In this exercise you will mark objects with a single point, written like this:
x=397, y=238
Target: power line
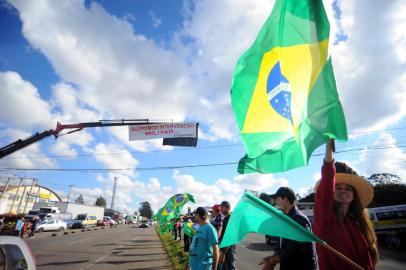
x=121, y=153
x=176, y=167
x=176, y=149
x=379, y=130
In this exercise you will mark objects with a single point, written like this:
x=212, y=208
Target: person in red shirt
x=340, y=217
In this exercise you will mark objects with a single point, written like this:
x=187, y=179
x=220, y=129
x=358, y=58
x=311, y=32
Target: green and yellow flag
x=173, y=206
x=188, y=228
x=283, y=91
x=252, y=214
x=179, y=200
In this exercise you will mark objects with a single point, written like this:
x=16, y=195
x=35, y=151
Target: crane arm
x=21, y=143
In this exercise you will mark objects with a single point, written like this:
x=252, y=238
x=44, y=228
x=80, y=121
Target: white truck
x=48, y=212
x=71, y=210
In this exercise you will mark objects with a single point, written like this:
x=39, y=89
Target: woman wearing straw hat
x=340, y=217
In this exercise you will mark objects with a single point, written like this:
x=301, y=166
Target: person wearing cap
x=290, y=254
x=340, y=217
x=217, y=218
x=204, y=251
x=227, y=254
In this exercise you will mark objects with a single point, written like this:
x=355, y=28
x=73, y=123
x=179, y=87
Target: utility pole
x=70, y=187
x=113, y=198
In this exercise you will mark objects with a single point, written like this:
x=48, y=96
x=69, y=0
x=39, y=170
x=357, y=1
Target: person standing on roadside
x=290, y=254
x=179, y=227
x=227, y=254
x=204, y=251
x=217, y=218
x=175, y=230
x=341, y=218
x=19, y=227
x=33, y=226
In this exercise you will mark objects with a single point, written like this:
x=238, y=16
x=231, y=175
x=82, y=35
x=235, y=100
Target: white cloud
x=62, y=148
x=117, y=71
x=369, y=69
x=390, y=160
x=20, y=159
x=126, y=160
x=156, y=21
x=20, y=104
x=66, y=98
x=89, y=194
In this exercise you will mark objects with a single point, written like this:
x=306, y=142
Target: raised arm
x=323, y=206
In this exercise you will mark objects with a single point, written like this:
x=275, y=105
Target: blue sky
x=81, y=61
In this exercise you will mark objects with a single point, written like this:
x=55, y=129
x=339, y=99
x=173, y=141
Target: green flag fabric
x=283, y=91
x=173, y=206
x=166, y=213
x=188, y=228
x=252, y=214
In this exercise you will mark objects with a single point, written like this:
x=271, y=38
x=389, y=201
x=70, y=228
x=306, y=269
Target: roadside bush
x=178, y=257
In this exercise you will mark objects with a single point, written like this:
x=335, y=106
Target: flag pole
x=342, y=256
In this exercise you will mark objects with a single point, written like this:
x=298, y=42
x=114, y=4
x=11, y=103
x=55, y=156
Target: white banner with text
x=162, y=130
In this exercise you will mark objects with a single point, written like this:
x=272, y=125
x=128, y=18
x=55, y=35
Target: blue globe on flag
x=279, y=93
x=180, y=198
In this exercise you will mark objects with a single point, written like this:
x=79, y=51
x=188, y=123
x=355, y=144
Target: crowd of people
x=25, y=228
x=340, y=219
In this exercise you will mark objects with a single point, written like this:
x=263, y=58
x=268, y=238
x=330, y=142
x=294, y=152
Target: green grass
x=178, y=257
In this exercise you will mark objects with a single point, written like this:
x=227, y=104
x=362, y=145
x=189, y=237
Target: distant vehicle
x=51, y=225
x=71, y=210
x=151, y=222
x=389, y=219
x=15, y=254
x=144, y=224
x=103, y=223
x=48, y=212
x=117, y=216
x=110, y=220
x=83, y=221
x=69, y=223
x=32, y=214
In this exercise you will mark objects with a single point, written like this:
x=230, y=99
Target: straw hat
x=365, y=191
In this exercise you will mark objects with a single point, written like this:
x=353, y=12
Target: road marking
x=73, y=242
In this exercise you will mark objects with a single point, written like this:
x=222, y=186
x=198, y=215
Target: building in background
x=20, y=199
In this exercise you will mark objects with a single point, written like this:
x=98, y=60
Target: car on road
x=69, y=223
x=51, y=225
x=83, y=221
x=144, y=224
x=110, y=220
x=15, y=254
x=103, y=223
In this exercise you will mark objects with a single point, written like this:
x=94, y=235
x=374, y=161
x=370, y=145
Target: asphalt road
x=253, y=249
x=122, y=247
x=126, y=247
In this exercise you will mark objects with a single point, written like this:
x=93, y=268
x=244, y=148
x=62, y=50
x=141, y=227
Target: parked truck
x=67, y=211
x=48, y=212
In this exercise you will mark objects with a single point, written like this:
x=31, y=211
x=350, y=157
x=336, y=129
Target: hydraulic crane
x=21, y=143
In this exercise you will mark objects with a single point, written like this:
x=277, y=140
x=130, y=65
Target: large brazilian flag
x=284, y=93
